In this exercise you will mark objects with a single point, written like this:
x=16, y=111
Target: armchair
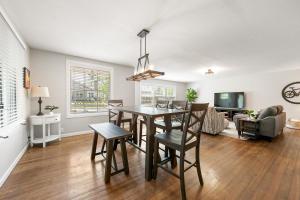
x=213, y=122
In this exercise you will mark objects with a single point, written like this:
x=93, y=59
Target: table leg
x=119, y=118
x=31, y=135
x=149, y=148
x=95, y=140
x=134, y=128
x=59, y=131
x=44, y=135
x=168, y=123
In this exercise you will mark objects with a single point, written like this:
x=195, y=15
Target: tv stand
x=231, y=111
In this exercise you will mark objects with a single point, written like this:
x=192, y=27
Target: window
x=88, y=88
x=151, y=93
x=9, y=60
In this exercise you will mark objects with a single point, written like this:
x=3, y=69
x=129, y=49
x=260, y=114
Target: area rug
x=231, y=131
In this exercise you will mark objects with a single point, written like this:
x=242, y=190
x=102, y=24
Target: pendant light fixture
x=144, y=70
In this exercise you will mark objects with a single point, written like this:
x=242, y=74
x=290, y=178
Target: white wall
x=180, y=88
x=12, y=149
x=49, y=69
x=262, y=89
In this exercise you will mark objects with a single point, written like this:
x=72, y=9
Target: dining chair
x=177, y=121
x=183, y=141
x=159, y=104
x=113, y=115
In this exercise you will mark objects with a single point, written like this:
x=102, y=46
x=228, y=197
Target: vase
x=51, y=113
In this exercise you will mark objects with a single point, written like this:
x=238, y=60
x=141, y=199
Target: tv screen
x=230, y=99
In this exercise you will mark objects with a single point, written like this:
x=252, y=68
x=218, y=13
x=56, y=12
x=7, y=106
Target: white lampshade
x=37, y=91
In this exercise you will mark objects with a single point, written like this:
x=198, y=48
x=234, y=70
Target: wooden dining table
x=149, y=114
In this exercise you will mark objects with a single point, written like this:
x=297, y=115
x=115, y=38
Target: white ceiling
x=187, y=36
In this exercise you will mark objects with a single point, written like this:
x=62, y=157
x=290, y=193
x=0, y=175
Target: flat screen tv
x=230, y=99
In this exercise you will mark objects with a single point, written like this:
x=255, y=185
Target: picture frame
x=26, y=78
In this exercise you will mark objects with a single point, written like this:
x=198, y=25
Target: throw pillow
x=267, y=112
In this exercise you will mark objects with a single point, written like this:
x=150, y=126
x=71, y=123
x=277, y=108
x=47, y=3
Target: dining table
x=149, y=114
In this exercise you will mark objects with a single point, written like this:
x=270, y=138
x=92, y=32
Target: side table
x=45, y=121
x=250, y=126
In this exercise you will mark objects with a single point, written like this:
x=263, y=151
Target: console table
x=45, y=121
x=231, y=111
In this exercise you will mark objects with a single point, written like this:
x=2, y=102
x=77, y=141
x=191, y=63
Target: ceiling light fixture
x=209, y=72
x=144, y=70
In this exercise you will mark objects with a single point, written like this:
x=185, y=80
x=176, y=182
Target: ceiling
x=232, y=37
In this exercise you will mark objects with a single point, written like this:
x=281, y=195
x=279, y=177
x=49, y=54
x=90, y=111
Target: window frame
x=156, y=85
x=87, y=65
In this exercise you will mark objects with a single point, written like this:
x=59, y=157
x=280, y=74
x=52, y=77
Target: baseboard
x=69, y=134
x=13, y=165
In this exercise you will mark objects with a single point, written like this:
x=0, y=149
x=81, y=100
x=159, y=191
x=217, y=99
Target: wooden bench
x=110, y=133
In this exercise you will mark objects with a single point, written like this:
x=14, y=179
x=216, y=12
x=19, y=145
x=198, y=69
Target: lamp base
x=39, y=114
x=40, y=107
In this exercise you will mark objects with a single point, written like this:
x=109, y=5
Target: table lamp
x=38, y=91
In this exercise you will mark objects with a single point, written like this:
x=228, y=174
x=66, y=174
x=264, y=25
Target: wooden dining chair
x=177, y=120
x=159, y=104
x=112, y=114
x=183, y=141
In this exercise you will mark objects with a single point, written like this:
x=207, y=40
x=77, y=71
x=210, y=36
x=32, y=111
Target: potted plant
x=51, y=108
x=251, y=114
x=191, y=95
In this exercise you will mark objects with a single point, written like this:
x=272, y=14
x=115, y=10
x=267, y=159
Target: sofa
x=214, y=122
x=271, y=121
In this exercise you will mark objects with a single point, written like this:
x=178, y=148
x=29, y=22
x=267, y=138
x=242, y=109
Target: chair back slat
x=111, y=104
x=162, y=104
x=179, y=105
x=194, y=122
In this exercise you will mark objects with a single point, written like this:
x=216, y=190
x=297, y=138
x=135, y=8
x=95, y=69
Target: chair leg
x=182, y=183
x=140, y=134
x=198, y=165
x=156, y=158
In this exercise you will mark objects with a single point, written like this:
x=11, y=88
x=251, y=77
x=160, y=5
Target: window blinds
x=9, y=61
x=90, y=90
x=151, y=93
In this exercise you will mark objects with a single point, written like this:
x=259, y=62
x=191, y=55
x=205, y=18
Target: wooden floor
x=232, y=169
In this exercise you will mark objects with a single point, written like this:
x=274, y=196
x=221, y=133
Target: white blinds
x=9, y=63
x=90, y=90
x=151, y=93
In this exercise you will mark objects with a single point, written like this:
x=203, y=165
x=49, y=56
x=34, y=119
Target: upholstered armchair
x=213, y=122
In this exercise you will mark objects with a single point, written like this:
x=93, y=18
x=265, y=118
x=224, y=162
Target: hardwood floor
x=232, y=169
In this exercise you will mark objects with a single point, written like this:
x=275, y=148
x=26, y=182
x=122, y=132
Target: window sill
x=81, y=115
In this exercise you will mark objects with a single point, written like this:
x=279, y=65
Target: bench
x=110, y=133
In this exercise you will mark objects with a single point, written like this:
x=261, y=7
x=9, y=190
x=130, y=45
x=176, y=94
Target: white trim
x=69, y=134
x=12, y=27
x=13, y=165
x=80, y=115
x=70, y=62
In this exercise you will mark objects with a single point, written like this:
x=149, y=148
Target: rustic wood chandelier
x=144, y=70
